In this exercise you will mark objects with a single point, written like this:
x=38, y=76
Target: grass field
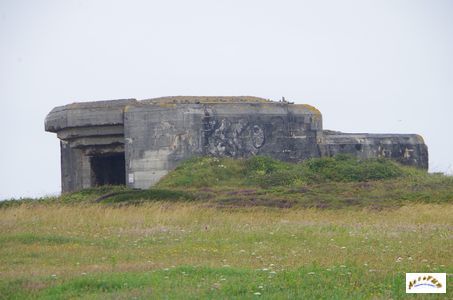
x=234, y=235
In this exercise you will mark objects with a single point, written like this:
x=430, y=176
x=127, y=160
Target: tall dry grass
x=75, y=239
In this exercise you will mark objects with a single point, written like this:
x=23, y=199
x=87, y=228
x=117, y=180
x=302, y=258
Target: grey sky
x=369, y=66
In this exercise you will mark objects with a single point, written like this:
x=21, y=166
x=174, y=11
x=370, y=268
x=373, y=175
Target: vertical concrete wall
x=159, y=136
x=86, y=130
x=407, y=149
x=279, y=130
x=71, y=164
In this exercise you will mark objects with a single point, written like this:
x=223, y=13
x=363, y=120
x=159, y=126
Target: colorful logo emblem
x=423, y=283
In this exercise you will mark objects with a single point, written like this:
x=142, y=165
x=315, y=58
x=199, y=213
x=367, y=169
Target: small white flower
x=257, y=294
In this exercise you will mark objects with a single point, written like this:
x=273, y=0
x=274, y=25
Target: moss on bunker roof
x=207, y=99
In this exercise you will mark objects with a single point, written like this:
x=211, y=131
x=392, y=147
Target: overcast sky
x=369, y=66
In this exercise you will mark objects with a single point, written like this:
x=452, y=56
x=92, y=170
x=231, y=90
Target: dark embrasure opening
x=108, y=169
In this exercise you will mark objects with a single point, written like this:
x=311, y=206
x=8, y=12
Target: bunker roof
x=207, y=99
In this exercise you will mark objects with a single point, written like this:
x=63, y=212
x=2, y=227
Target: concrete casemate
x=138, y=142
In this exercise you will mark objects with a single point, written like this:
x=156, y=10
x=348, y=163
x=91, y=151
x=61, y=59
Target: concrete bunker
x=138, y=142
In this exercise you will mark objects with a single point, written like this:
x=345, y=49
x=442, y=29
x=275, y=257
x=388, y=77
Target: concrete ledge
x=86, y=114
x=77, y=132
x=335, y=137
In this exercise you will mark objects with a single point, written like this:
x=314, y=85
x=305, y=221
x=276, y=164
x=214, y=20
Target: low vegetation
x=264, y=171
x=333, y=228
x=337, y=182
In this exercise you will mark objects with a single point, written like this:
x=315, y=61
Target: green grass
x=264, y=171
x=189, y=250
x=330, y=228
x=336, y=182
x=188, y=282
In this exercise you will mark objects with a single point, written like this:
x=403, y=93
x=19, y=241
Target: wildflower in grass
x=311, y=273
x=257, y=293
x=216, y=286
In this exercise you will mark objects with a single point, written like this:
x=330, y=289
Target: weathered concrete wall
x=86, y=114
x=408, y=149
x=284, y=131
x=159, y=136
x=157, y=139
x=151, y=137
x=86, y=130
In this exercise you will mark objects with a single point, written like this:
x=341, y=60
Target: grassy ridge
x=264, y=171
x=336, y=182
